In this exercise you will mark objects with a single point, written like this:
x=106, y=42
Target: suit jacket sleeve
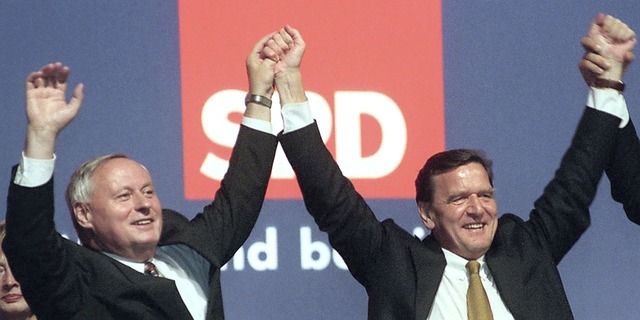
x=38, y=256
x=623, y=172
x=333, y=202
x=224, y=225
x=561, y=214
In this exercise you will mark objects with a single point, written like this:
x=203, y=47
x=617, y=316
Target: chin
x=8, y=311
x=149, y=240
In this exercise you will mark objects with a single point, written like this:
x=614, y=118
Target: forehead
x=120, y=171
x=468, y=176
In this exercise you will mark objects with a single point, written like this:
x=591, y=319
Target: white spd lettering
x=349, y=107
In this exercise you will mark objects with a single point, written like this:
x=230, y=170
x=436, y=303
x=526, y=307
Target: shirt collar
x=138, y=266
x=457, y=265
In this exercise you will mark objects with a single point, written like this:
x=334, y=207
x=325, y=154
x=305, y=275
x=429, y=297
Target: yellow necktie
x=478, y=307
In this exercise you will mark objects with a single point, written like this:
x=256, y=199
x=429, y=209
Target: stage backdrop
x=390, y=84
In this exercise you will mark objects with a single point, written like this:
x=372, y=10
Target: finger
x=286, y=37
x=46, y=73
x=594, y=30
x=50, y=73
x=273, y=45
x=280, y=41
x=591, y=45
x=629, y=57
x=61, y=78
x=295, y=35
x=50, y=68
x=599, y=19
x=625, y=34
x=62, y=74
x=597, y=59
x=590, y=68
x=608, y=22
x=618, y=31
x=257, y=48
x=268, y=53
x=39, y=82
x=31, y=79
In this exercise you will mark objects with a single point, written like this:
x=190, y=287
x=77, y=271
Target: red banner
x=373, y=72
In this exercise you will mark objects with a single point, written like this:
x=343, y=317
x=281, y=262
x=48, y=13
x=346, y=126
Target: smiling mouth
x=142, y=222
x=474, y=226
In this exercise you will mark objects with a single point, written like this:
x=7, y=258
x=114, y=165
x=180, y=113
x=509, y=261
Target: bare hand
x=608, y=45
x=260, y=69
x=286, y=47
x=47, y=110
x=613, y=37
x=45, y=92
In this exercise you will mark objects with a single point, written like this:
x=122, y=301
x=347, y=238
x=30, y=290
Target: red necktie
x=150, y=269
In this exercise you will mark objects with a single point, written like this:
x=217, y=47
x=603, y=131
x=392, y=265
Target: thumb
x=78, y=96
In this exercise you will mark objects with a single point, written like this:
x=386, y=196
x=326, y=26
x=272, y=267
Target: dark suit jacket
x=62, y=280
x=624, y=172
x=401, y=273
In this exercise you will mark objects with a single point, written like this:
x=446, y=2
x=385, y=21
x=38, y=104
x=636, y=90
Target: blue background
x=512, y=88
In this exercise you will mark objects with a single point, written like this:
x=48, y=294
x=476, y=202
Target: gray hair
x=80, y=187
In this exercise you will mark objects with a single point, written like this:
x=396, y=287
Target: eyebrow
x=130, y=187
x=467, y=193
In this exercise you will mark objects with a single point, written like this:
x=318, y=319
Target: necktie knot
x=473, y=267
x=478, y=307
x=150, y=269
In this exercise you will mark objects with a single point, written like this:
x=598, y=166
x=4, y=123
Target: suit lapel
x=508, y=276
x=163, y=292
x=429, y=267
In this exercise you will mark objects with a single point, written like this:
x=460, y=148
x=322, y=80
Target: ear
x=83, y=216
x=426, y=214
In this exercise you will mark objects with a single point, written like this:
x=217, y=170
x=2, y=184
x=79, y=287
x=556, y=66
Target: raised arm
x=329, y=196
x=608, y=53
x=562, y=213
x=226, y=223
x=33, y=246
x=260, y=71
x=47, y=110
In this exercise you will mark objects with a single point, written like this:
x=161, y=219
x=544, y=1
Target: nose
x=474, y=205
x=8, y=281
x=143, y=203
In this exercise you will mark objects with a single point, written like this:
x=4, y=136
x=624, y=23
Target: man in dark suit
x=124, y=231
x=409, y=278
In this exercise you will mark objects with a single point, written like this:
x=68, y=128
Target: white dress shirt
x=451, y=298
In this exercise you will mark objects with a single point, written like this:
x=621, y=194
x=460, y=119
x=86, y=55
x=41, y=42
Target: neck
x=141, y=255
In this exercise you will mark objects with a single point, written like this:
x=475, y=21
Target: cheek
x=459, y=213
x=491, y=208
x=115, y=214
x=157, y=206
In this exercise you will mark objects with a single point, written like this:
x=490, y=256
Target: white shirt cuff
x=296, y=116
x=257, y=124
x=34, y=172
x=610, y=101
